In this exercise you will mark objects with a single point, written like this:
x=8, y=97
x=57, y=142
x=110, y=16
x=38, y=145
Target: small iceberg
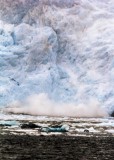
x=9, y=123
x=63, y=128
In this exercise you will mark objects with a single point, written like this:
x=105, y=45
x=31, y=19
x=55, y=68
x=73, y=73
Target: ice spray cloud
x=41, y=105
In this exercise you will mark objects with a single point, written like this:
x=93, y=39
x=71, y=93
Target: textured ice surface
x=62, y=48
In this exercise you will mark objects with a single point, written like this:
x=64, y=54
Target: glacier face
x=64, y=48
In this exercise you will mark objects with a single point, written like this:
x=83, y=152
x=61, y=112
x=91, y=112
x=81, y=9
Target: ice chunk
x=9, y=123
x=63, y=128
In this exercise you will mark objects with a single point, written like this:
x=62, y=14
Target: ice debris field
x=47, y=126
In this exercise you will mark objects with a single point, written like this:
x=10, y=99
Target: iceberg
x=64, y=128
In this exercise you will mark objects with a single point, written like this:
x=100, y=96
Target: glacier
x=63, y=48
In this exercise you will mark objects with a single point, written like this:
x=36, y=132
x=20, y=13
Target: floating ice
x=9, y=123
x=64, y=128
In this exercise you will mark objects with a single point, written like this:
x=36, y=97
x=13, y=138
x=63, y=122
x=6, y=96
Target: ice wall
x=64, y=49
